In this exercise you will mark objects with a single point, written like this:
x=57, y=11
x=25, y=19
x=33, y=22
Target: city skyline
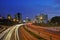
x=30, y=8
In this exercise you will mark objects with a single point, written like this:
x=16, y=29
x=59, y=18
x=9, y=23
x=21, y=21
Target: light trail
x=10, y=31
x=4, y=32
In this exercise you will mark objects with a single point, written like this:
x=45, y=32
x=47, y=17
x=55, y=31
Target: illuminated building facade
x=9, y=17
x=42, y=18
x=18, y=17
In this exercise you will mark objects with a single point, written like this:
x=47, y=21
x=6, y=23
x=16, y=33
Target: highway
x=17, y=32
x=45, y=32
x=7, y=34
x=26, y=35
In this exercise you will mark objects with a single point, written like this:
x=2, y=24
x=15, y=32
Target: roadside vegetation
x=47, y=24
x=7, y=22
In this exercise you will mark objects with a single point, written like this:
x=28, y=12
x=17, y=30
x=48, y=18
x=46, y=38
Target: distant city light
x=9, y=17
x=41, y=17
x=17, y=20
x=14, y=20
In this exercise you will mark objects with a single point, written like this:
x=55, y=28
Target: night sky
x=30, y=8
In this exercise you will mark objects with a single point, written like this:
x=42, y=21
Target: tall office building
x=18, y=17
x=9, y=17
x=42, y=18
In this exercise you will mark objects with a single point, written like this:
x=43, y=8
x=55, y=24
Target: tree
x=55, y=20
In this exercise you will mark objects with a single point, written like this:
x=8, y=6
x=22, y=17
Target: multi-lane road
x=7, y=34
x=17, y=32
x=49, y=33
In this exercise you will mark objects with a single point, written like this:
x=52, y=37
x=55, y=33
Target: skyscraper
x=9, y=17
x=18, y=17
x=42, y=18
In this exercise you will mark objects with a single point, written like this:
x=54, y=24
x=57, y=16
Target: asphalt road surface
x=42, y=30
x=7, y=34
x=17, y=32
